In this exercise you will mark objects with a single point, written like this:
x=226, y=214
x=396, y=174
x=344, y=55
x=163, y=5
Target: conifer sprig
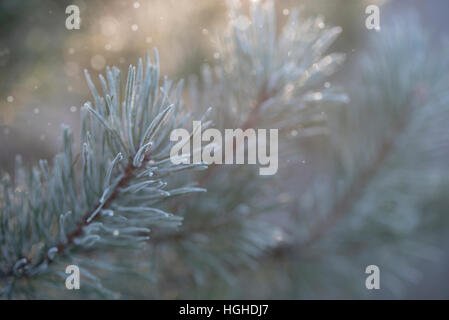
x=107, y=197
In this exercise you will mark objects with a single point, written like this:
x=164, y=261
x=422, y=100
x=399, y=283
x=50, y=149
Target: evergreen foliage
x=248, y=235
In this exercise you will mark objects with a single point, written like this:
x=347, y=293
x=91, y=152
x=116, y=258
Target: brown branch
x=128, y=174
x=366, y=176
x=253, y=116
x=356, y=188
x=342, y=207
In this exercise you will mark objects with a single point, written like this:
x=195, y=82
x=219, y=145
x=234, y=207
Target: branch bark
x=85, y=221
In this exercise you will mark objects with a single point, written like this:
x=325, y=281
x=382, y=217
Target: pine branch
x=250, y=122
x=87, y=219
x=106, y=203
x=286, y=93
x=264, y=79
x=363, y=179
x=393, y=115
x=368, y=137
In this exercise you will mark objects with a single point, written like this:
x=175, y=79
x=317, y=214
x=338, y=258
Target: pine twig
x=128, y=174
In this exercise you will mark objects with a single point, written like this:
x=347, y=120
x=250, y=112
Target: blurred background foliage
x=41, y=62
